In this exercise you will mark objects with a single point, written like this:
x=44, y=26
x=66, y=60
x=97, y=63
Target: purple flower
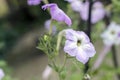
x=46, y=73
x=98, y=12
x=78, y=45
x=70, y=1
x=33, y=2
x=47, y=26
x=76, y=5
x=57, y=14
x=1, y=74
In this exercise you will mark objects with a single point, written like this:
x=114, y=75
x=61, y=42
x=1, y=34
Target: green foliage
x=115, y=10
x=48, y=45
x=97, y=29
x=8, y=77
x=107, y=70
x=76, y=76
x=63, y=74
x=116, y=6
x=7, y=70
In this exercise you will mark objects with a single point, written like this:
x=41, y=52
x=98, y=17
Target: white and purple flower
x=33, y=2
x=78, y=45
x=111, y=35
x=57, y=14
x=47, y=26
x=1, y=74
x=98, y=12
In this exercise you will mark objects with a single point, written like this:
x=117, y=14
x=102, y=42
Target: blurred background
x=20, y=27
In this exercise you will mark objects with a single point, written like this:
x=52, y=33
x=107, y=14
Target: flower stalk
x=65, y=60
x=101, y=57
x=89, y=30
x=51, y=27
x=114, y=55
x=46, y=1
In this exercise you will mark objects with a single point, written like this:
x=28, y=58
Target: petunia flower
x=1, y=74
x=57, y=14
x=112, y=34
x=78, y=45
x=47, y=26
x=98, y=12
x=33, y=2
x=76, y=5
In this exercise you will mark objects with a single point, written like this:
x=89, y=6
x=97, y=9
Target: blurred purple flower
x=70, y=1
x=1, y=74
x=47, y=26
x=76, y=5
x=78, y=45
x=112, y=34
x=33, y=2
x=98, y=12
x=119, y=34
x=101, y=57
x=46, y=73
x=57, y=14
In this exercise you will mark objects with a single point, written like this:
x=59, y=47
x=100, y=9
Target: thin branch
x=89, y=30
x=115, y=61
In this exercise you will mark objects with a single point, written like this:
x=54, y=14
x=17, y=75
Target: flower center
x=78, y=42
x=112, y=32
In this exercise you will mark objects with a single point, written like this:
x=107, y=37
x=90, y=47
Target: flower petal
x=46, y=73
x=70, y=48
x=1, y=74
x=83, y=37
x=70, y=35
x=76, y=5
x=33, y=2
x=82, y=56
x=89, y=49
x=68, y=20
x=98, y=11
x=44, y=7
x=47, y=26
x=57, y=14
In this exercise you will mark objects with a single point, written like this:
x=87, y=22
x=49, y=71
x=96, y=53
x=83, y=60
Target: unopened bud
x=45, y=37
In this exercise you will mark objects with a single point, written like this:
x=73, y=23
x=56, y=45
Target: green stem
x=54, y=65
x=46, y=1
x=62, y=68
x=89, y=30
x=65, y=60
x=60, y=78
x=59, y=39
x=50, y=30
